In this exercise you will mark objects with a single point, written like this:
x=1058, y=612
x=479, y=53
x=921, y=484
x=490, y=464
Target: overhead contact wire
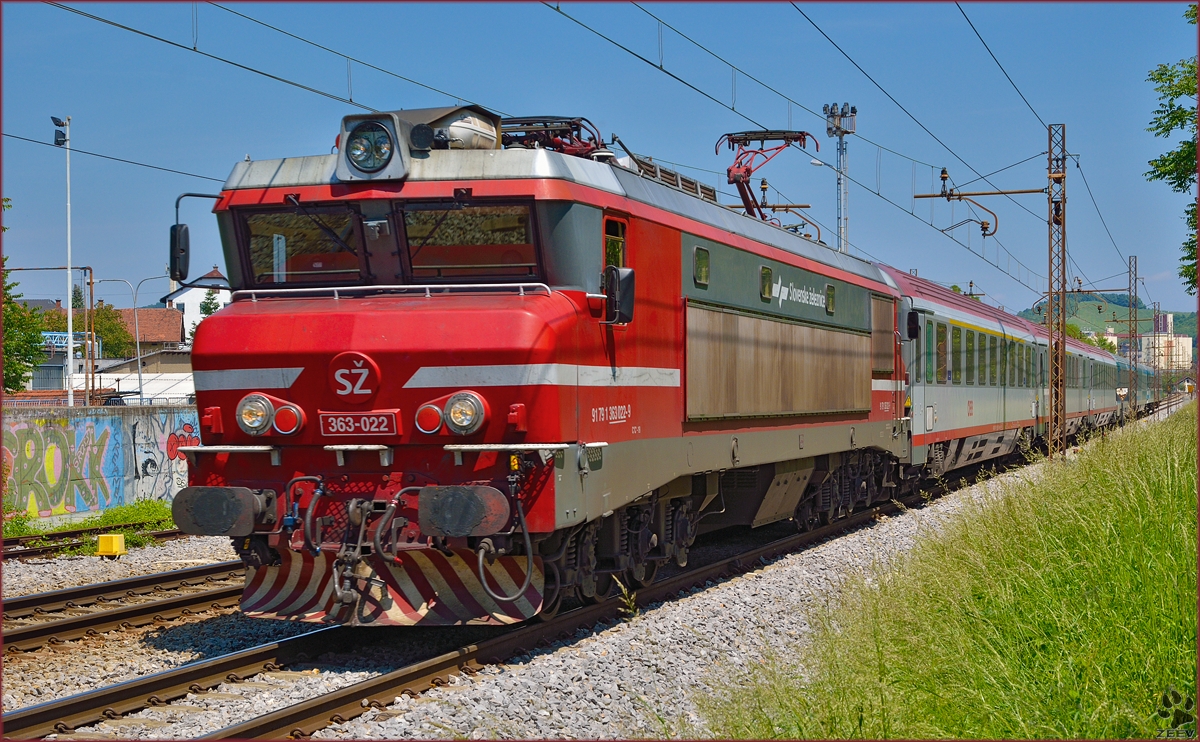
x=726, y=106
x=117, y=159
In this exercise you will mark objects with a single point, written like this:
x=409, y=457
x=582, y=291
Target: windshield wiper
x=322, y=226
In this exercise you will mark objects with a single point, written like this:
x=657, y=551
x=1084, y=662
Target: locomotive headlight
x=369, y=147
x=254, y=414
x=464, y=413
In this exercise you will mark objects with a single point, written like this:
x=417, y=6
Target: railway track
x=302, y=719
x=33, y=621
x=64, y=715
x=18, y=547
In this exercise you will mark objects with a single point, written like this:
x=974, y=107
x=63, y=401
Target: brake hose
x=386, y=520
x=318, y=491
x=485, y=547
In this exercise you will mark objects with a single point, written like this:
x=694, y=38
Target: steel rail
x=72, y=597
x=338, y=706
x=63, y=715
x=59, y=535
x=35, y=635
x=34, y=551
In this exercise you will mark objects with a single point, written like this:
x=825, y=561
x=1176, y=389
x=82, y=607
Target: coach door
x=916, y=362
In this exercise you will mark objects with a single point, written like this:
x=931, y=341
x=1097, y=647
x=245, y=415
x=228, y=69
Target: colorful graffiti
x=83, y=461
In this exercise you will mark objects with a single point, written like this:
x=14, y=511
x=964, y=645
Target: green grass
x=1064, y=609
x=153, y=515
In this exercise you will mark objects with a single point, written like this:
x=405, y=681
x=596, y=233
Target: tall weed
x=1063, y=605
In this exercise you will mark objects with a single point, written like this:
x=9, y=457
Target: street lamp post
x=137, y=335
x=61, y=139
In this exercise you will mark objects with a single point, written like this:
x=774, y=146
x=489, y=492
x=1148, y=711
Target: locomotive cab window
x=303, y=245
x=614, y=242
x=469, y=241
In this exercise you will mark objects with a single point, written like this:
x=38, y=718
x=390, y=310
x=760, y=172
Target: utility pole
x=1134, y=341
x=1056, y=312
x=1157, y=352
x=839, y=123
x=62, y=138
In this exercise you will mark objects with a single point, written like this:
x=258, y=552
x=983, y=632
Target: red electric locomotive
x=472, y=366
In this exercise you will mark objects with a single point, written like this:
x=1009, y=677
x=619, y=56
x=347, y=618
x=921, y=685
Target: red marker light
x=288, y=419
x=429, y=419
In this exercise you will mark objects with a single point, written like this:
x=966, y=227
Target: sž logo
x=353, y=377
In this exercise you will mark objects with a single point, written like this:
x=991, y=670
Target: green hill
x=1094, y=316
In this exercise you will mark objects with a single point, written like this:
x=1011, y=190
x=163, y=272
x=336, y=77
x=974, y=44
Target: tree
x=208, y=307
x=76, y=297
x=22, y=335
x=1175, y=83
x=110, y=328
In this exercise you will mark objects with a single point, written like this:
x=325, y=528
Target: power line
x=1097, y=207
x=349, y=58
x=960, y=186
x=117, y=159
x=905, y=110
x=277, y=78
x=849, y=178
x=802, y=107
x=997, y=61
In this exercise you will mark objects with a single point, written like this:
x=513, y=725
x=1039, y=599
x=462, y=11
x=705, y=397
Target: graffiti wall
x=59, y=461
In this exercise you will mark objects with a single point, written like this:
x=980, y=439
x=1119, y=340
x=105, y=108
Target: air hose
x=487, y=547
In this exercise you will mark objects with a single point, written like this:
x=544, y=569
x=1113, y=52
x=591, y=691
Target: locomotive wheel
x=649, y=572
x=604, y=590
x=806, y=519
x=550, y=610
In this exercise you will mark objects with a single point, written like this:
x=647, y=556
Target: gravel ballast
x=635, y=678
x=57, y=573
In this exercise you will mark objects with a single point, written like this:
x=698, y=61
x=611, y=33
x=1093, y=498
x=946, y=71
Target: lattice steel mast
x=1056, y=311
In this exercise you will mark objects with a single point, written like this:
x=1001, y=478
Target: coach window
x=930, y=364
x=992, y=377
x=1020, y=364
x=943, y=374
x=970, y=356
x=1003, y=362
x=1012, y=362
x=956, y=353
x=982, y=359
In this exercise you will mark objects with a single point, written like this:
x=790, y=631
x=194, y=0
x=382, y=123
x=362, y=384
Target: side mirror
x=618, y=292
x=914, y=325
x=180, y=250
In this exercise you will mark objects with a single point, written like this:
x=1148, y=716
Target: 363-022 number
x=358, y=423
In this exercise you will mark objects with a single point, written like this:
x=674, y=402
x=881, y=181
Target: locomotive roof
x=933, y=293
x=541, y=163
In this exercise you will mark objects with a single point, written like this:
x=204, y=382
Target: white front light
x=369, y=147
x=254, y=414
x=464, y=413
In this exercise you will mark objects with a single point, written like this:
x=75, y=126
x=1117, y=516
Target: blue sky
x=1081, y=64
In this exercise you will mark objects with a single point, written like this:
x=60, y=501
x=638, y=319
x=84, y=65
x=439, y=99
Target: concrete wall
x=59, y=462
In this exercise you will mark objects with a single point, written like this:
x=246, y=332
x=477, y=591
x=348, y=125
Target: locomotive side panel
x=744, y=366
